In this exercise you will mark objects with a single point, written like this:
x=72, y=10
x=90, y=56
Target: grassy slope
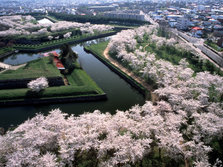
x=80, y=85
x=98, y=48
x=79, y=78
x=33, y=69
x=5, y=50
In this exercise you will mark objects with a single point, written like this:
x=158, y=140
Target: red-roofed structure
x=196, y=32
x=56, y=59
x=58, y=63
x=54, y=53
x=197, y=28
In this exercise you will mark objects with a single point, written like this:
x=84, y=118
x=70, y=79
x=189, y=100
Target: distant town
x=199, y=18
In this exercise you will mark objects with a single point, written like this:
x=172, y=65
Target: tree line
x=96, y=19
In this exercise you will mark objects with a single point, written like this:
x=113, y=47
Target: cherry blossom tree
x=38, y=84
x=67, y=35
x=26, y=25
x=113, y=140
x=181, y=125
x=50, y=37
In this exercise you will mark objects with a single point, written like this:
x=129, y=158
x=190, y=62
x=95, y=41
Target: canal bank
x=56, y=100
x=119, y=72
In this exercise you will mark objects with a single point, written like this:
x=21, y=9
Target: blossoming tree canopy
x=184, y=127
x=38, y=84
x=28, y=25
x=125, y=138
x=192, y=95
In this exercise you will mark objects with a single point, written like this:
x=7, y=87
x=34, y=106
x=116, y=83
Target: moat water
x=121, y=96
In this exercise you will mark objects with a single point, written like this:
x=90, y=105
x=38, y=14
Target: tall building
x=182, y=23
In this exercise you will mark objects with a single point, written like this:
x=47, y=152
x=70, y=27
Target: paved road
x=199, y=43
x=215, y=57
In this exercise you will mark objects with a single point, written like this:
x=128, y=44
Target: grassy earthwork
x=80, y=84
x=5, y=50
x=58, y=42
x=33, y=69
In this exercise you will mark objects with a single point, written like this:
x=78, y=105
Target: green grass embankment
x=81, y=85
x=79, y=78
x=49, y=93
x=98, y=50
x=6, y=50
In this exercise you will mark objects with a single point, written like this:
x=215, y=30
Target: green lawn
x=123, y=26
x=33, y=69
x=81, y=80
x=52, y=18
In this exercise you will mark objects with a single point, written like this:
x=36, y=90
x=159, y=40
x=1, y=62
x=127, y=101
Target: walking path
x=18, y=66
x=144, y=49
x=5, y=66
x=10, y=67
x=154, y=97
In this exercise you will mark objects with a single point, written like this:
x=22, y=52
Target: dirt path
x=10, y=67
x=145, y=47
x=16, y=67
x=131, y=74
x=5, y=66
x=65, y=80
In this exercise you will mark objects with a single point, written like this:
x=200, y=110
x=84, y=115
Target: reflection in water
x=14, y=57
x=20, y=58
x=120, y=94
x=96, y=41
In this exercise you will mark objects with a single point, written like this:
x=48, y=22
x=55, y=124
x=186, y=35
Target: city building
x=182, y=23
x=197, y=32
